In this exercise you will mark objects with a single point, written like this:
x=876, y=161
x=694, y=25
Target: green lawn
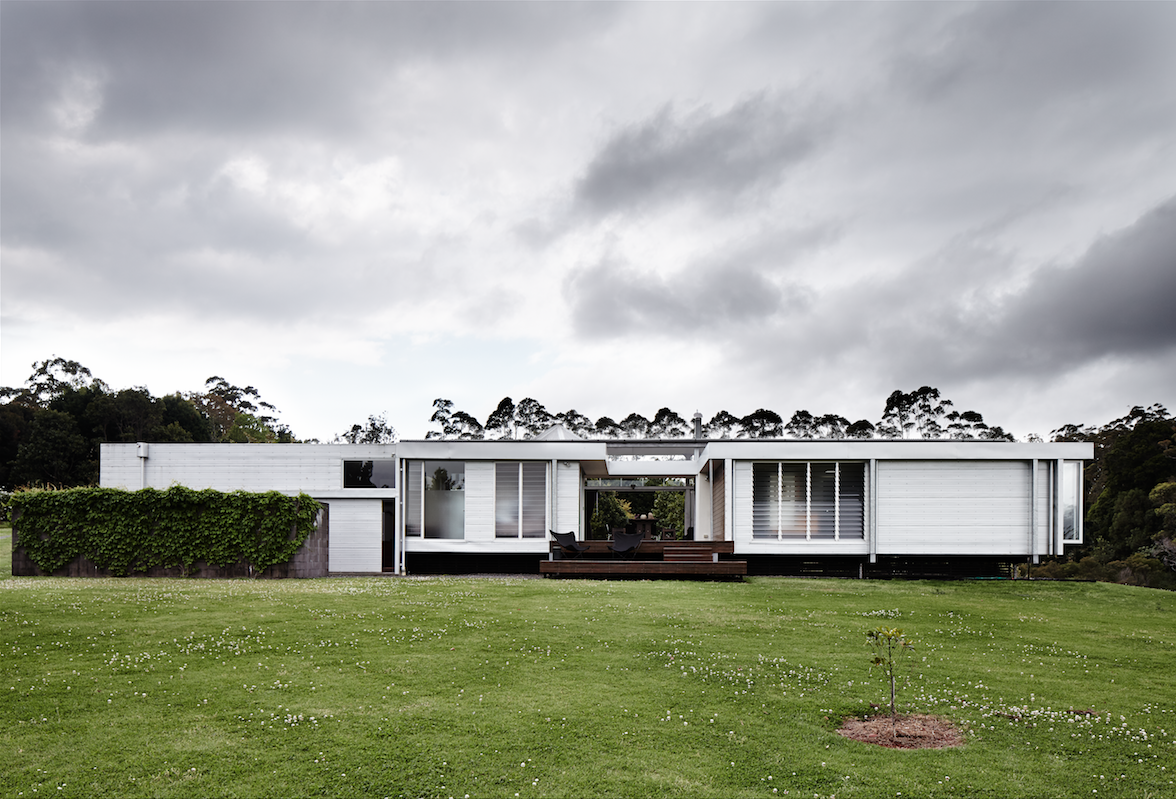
x=517, y=687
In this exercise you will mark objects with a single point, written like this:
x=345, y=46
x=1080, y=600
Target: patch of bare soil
x=915, y=731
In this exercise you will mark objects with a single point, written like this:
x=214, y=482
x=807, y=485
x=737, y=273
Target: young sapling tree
x=888, y=644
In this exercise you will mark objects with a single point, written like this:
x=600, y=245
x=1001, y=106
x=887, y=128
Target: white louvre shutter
x=534, y=500
x=506, y=500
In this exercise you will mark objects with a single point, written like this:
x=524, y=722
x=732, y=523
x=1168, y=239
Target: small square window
x=369, y=474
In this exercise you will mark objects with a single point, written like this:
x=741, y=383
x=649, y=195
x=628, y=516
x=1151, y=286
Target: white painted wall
x=355, y=544
x=246, y=467
x=953, y=507
x=479, y=499
x=569, y=497
x=702, y=507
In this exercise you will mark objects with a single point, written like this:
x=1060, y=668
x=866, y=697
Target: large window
x=435, y=499
x=1071, y=507
x=806, y=501
x=520, y=500
x=369, y=474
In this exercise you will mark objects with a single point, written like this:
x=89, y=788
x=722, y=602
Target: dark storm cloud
x=955, y=316
x=1117, y=300
x=280, y=66
x=713, y=157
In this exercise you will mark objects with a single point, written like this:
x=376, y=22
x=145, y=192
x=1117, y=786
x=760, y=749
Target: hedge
x=132, y=531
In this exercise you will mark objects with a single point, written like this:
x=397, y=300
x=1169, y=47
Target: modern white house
x=857, y=499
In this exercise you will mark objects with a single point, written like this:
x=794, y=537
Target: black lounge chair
x=625, y=544
x=569, y=545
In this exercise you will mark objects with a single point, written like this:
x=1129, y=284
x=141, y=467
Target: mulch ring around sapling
x=914, y=731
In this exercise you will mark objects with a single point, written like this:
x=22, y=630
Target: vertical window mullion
x=836, y=501
x=779, y=501
x=808, y=501
x=519, y=532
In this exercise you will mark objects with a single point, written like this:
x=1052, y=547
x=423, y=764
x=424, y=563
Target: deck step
x=650, y=568
x=688, y=554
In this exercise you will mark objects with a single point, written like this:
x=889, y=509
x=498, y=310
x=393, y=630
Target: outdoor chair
x=569, y=545
x=625, y=544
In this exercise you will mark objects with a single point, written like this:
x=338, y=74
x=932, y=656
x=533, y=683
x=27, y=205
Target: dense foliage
x=1130, y=486
x=132, y=531
x=52, y=427
x=611, y=513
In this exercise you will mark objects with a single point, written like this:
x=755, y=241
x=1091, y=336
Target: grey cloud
x=281, y=66
x=1117, y=300
x=612, y=299
x=961, y=315
x=944, y=319
x=717, y=158
x=1008, y=59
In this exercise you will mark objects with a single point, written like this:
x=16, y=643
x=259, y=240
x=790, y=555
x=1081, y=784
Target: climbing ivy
x=132, y=531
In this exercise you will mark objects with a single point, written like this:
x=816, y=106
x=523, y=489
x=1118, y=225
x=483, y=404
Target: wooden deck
x=653, y=559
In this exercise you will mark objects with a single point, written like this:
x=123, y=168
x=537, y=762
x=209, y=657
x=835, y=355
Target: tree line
x=51, y=429
x=923, y=413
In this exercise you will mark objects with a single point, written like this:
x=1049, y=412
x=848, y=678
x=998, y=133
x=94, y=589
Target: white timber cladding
x=953, y=507
x=355, y=544
x=719, y=503
x=741, y=485
x=288, y=468
x=479, y=498
x=569, y=496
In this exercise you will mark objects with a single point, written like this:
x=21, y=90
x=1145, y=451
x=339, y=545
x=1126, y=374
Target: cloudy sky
x=358, y=208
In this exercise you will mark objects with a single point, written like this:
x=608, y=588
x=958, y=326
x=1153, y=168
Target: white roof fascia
x=887, y=449
x=677, y=468
x=502, y=450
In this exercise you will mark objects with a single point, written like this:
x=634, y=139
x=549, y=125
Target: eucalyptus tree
x=667, y=424
x=928, y=409
x=721, y=425
x=531, y=417
x=965, y=425
x=801, y=425
x=465, y=427
x=761, y=424
x=635, y=426
x=442, y=410
x=898, y=415
x=832, y=426
x=861, y=429
x=576, y=422
x=376, y=431
x=605, y=427
x=501, y=421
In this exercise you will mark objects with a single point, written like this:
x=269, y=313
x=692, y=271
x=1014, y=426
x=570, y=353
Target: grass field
x=523, y=687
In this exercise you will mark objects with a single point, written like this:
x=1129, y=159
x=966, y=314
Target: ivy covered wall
x=117, y=532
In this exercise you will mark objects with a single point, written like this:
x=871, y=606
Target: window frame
x=389, y=470
x=785, y=509
x=519, y=507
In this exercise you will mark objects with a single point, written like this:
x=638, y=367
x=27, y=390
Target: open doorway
x=657, y=507
x=388, y=536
